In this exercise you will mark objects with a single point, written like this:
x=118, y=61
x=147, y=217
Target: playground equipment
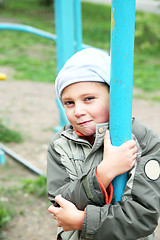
x=69, y=40
x=122, y=52
x=73, y=16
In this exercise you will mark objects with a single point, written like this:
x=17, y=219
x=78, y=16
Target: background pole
x=64, y=20
x=122, y=58
x=78, y=24
x=69, y=39
x=65, y=42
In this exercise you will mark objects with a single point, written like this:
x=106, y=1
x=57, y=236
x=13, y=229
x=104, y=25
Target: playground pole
x=64, y=20
x=65, y=31
x=122, y=58
x=69, y=39
x=2, y=157
x=78, y=24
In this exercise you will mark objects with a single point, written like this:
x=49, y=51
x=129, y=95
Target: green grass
x=147, y=71
x=6, y=213
x=96, y=25
x=7, y=199
x=36, y=186
x=8, y=135
x=147, y=97
x=19, y=192
x=34, y=58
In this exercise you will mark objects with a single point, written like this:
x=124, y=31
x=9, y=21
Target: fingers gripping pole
x=122, y=56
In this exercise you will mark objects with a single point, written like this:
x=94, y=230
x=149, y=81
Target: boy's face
x=86, y=104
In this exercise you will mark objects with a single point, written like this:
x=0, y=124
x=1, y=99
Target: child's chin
x=89, y=132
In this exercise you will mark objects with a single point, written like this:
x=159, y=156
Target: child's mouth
x=85, y=122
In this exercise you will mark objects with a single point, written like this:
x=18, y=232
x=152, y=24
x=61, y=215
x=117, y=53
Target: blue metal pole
x=2, y=157
x=78, y=24
x=65, y=31
x=122, y=57
x=64, y=20
x=26, y=28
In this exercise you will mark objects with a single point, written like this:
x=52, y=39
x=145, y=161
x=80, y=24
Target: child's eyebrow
x=87, y=94
x=82, y=95
x=65, y=98
x=68, y=98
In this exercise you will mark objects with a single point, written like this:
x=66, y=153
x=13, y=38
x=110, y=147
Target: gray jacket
x=71, y=172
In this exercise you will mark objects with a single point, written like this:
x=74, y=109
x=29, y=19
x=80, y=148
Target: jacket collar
x=98, y=137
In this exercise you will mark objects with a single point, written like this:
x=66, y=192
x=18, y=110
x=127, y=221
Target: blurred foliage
x=147, y=34
x=147, y=51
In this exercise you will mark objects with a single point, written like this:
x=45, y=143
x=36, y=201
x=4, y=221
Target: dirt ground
x=30, y=108
x=31, y=220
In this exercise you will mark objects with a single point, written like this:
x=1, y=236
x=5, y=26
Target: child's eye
x=89, y=98
x=68, y=103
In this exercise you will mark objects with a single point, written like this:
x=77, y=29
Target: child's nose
x=79, y=110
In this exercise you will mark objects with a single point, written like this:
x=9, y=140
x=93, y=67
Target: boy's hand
x=116, y=160
x=67, y=215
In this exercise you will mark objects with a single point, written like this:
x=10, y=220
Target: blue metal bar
x=41, y=33
x=29, y=29
x=21, y=160
x=78, y=24
x=122, y=57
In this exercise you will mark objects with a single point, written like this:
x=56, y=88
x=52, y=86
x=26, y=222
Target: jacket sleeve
x=82, y=191
x=137, y=216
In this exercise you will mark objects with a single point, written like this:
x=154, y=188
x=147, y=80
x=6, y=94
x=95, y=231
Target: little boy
x=82, y=161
